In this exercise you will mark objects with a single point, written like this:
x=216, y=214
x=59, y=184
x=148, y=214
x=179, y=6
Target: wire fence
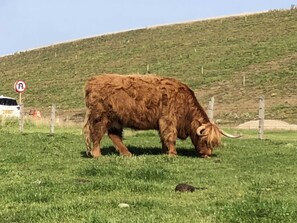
x=232, y=115
x=254, y=116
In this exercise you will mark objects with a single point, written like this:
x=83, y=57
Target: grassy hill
x=260, y=47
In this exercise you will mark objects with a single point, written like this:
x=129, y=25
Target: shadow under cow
x=136, y=151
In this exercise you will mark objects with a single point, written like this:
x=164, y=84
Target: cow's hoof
x=127, y=154
x=95, y=154
x=92, y=154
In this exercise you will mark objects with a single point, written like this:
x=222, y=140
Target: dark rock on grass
x=182, y=187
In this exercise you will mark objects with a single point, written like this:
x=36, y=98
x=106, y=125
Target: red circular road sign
x=20, y=86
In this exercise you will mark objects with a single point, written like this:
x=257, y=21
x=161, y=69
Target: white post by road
x=261, y=117
x=210, y=109
x=53, y=119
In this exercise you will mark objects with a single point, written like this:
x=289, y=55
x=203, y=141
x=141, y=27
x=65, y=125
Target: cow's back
x=136, y=101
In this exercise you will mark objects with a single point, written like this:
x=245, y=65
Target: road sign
x=20, y=86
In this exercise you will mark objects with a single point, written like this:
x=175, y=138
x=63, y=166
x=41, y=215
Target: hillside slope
x=261, y=47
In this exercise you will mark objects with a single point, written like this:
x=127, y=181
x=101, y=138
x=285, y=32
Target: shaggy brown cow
x=145, y=102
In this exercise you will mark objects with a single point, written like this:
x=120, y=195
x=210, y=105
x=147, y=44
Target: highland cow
x=144, y=102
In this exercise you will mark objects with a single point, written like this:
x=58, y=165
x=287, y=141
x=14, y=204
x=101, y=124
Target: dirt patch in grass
x=268, y=124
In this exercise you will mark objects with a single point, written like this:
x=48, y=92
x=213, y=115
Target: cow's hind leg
x=98, y=129
x=116, y=135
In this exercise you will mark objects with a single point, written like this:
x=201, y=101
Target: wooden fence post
x=21, y=118
x=261, y=117
x=53, y=118
x=210, y=109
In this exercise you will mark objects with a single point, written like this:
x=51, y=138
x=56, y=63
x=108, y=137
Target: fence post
x=147, y=68
x=261, y=117
x=21, y=118
x=53, y=118
x=210, y=109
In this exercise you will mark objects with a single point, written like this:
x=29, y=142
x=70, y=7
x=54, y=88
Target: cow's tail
x=87, y=132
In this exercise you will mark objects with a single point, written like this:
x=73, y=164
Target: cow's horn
x=229, y=135
x=200, y=129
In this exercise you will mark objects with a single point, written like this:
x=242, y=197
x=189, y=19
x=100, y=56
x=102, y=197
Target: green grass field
x=48, y=178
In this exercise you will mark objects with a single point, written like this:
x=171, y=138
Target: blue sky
x=27, y=24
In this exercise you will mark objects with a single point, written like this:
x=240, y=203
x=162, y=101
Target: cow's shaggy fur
x=145, y=102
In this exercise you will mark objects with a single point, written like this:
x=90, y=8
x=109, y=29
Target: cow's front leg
x=168, y=134
x=164, y=148
x=171, y=149
x=95, y=152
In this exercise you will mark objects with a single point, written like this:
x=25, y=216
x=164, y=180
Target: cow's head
x=209, y=136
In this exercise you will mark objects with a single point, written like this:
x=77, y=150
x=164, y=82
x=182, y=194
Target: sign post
x=20, y=87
